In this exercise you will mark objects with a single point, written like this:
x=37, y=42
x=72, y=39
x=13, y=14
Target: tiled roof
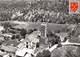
x=33, y=36
x=11, y=42
x=9, y=48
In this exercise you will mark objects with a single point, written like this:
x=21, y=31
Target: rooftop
x=11, y=42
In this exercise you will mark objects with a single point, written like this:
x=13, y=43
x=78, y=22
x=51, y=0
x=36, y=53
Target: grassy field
x=50, y=26
x=32, y=25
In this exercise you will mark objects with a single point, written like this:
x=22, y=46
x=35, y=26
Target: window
x=37, y=45
x=18, y=56
x=26, y=44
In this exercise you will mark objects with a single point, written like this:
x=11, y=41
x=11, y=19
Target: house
x=28, y=55
x=1, y=38
x=1, y=28
x=16, y=14
x=21, y=45
x=9, y=48
x=32, y=39
x=7, y=35
x=24, y=52
x=6, y=55
x=2, y=53
x=11, y=42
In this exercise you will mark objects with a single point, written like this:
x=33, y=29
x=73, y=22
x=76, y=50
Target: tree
x=39, y=55
x=45, y=53
x=66, y=51
x=53, y=39
x=13, y=37
x=18, y=37
x=6, y=25
x=23, y=32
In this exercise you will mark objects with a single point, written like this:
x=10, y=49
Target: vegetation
x=33, y=10
x=53, y=39
x=45, y=53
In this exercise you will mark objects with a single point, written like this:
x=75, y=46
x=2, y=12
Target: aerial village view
x=38, y=28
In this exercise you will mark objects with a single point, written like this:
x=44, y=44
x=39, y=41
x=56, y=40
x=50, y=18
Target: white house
x=1, y=28
x=24, y=52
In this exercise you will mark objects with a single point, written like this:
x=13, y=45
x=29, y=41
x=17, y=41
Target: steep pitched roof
x=9, y=48
x=33, y=37
x=11, y=42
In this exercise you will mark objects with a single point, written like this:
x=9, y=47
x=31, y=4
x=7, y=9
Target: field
x=50, y=26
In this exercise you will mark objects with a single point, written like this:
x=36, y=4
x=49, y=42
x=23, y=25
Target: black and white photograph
x=39, y=28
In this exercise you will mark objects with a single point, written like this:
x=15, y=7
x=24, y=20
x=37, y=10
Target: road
x=63, y=44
